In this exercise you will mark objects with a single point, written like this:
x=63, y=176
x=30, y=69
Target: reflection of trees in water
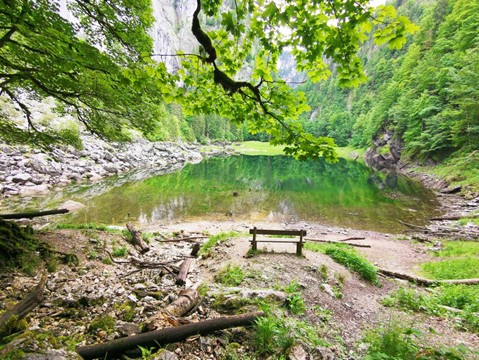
x=285, y=211
x=272, y=187
x=170, y=210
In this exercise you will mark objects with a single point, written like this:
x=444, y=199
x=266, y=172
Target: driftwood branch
x=337, y=242
x=352, y=238
x=425, y=282
x=32, y=300
x=412, y=226
x=190, y=238
x=157, y=338
x=185, y=267
x=167, y=317
x=30, y=215
x=455, y=217
x=137, y=240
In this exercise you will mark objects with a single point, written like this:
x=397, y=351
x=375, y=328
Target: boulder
x=34, y=190
x=21, y=178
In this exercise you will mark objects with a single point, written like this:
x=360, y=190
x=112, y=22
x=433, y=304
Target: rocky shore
x=27, y=171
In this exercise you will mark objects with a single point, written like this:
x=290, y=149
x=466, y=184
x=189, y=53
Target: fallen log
x=455, y=217
x=114, y=348
x=353, y=238
x=31, y=301
x=185, y=267
x=137, y=240
x=426, y=282
x=336, y=242
x=187, y=299
x=30, y=215
x=412, y=226
x=189, y=238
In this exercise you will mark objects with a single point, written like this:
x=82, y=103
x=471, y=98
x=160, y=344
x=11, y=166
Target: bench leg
x=254, y=245
x=299, y=247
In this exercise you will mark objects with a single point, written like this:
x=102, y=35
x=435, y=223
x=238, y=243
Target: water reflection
x=276, y=188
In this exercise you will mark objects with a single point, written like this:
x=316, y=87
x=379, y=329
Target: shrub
x=231, y=275
x=351, y=260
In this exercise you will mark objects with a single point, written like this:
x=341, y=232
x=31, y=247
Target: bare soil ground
x=94, y=288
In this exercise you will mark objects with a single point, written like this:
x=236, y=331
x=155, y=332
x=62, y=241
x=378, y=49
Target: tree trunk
x=161, y=337
x=426, y=282
x=31, y=301
x=337, y=242
x=137, y=240
x=185, y=267
x=166, y=317
x=195, y=249
x=30, y=215
x=455, y=217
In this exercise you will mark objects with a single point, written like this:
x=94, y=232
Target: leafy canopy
x=97, y=66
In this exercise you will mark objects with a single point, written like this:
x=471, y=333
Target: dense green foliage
x=425, y=94
x=97, y=68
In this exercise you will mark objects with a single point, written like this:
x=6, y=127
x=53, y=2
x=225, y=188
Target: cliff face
x=172, y=30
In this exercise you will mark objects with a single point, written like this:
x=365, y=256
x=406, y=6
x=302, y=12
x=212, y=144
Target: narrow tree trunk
x=161, y=337
x=137, y=240
x=195, y=249
x=30, y=215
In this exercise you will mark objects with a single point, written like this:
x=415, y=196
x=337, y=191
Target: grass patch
x=464, y=298
x=258, y=148
x=215, y=240
x=105, y=322
x=232, y=275
x=394, y=341
x=460, y=169
x=348, y=152
x=91, y=226
x=460, y=268
x=118, y=251
x=459, y=248
x=275, y=333
x=295, y=304
x=465, y=221
x=349, y=258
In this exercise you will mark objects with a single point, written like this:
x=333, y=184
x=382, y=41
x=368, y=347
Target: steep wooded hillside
x=421, y=102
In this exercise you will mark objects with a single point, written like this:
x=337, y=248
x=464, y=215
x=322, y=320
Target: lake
x=254, y=188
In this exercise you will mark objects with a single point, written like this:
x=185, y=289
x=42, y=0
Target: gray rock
x=166, y=355
x=127, y=329
x=21, y=178
x=54, y=355
x=34, y=190
x=297, y=353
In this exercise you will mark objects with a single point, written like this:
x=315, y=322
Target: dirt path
x=354, y=308
x=338, y=302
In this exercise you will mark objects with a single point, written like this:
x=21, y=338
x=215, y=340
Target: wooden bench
x=299, y=244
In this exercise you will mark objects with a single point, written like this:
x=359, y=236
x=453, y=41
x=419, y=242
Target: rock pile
x=27, y=171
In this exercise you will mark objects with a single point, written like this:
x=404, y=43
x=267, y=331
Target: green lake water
x=275, y=188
